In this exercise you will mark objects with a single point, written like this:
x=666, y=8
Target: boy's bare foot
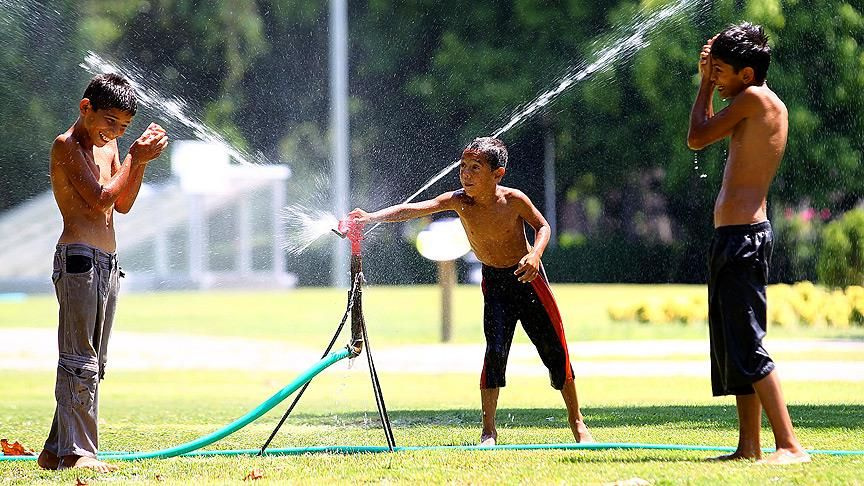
x=76, y=462
x=783, y=457
x=581, y=432
x=488, y=439
x=47, y=460
x=739, y=455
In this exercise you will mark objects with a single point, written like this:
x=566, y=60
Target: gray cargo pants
x=87, y=298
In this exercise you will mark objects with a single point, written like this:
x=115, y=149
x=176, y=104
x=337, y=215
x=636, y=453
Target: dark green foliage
x=841, y=261
x=428, y=76
x=618, y=258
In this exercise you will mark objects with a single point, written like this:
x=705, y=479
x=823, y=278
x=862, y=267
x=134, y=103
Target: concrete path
x=35, y=349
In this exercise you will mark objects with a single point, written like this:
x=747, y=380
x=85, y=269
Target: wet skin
x=87, y=178
x=493, y=216
x=756, y=121
x=494, y=219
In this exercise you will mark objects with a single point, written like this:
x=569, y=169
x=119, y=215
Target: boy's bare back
x=757, y=144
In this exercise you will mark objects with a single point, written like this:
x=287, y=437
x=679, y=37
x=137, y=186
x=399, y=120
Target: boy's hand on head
x=529, y=268
x=149, y=145
x=705, y=61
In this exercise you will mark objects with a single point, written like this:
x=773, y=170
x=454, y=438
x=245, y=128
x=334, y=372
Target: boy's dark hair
x=744, y=45
x=111, y=90
x=492, y=149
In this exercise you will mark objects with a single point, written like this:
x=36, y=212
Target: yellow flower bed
x=788, y=305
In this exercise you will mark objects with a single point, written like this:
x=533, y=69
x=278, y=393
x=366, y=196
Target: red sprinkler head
x=353, y=230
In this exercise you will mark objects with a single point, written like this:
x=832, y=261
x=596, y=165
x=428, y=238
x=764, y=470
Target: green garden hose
x=192, y=448
x=224, y=431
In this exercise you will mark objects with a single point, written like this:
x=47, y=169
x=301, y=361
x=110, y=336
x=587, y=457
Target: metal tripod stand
x=354, y=232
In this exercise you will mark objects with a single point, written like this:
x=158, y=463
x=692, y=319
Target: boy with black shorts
x=514, y=283
x=89, y=183
x=735, y=63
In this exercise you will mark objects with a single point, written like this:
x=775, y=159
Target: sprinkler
x=352, y=230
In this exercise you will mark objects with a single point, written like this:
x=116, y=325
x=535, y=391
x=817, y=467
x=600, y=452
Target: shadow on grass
x=692, y=417
x=848, y=337
x=642, y=457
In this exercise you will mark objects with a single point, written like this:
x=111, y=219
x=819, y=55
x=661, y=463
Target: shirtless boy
x=735, y=63
x=514, y=283
x=89, y=184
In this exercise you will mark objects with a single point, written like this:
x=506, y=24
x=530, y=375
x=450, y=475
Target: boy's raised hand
x=705, y=63
x=149, y=145
x=529, y=268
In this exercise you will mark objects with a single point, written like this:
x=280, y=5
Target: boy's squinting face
x=106, y=124
x=476, y=175
x=726, y=80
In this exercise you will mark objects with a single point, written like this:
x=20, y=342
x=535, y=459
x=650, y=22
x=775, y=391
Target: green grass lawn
x=143, y=411
x=395, y=315
x=152, y=410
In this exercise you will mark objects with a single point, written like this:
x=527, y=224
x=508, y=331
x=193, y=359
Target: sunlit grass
x=395, y=315
x=151, y=410
x=156, y=409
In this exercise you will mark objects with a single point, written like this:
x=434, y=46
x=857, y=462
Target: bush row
x=802, y=303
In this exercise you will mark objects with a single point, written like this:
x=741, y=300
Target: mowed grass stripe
x=395, y=315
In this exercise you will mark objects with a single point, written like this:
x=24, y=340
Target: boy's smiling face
x=476, y=175
x=104, y=125
x=727, y=81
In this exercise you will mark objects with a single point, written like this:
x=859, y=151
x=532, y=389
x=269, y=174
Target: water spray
x=620, y=48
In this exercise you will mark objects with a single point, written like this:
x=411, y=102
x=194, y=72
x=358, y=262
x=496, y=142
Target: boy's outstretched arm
x=529, y=265
x=406, y=211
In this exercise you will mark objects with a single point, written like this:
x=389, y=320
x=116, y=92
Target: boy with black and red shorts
x=514, y=283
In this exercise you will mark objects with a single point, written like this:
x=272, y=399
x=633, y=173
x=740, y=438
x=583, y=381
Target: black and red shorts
x=506, y=300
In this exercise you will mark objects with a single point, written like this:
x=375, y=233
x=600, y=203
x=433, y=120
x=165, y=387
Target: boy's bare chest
x=99, y=162
x=489, y=220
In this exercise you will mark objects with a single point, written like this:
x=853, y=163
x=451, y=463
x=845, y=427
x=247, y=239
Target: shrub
x=841, y=260
x=802, y=304
x=798, y=234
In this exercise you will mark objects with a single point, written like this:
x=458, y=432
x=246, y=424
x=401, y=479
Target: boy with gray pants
x=89, y=183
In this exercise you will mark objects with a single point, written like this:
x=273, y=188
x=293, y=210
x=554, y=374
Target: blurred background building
x=214, y=223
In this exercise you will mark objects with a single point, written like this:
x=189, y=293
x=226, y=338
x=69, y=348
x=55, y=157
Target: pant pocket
x=76, y=381
x=78, y=264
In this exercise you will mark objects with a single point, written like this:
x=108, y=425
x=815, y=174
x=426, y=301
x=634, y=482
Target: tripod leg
x=379, y=395
x=351, y=294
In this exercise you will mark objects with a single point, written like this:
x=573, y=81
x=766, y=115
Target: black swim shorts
x=737, y=317
x=507, y=300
